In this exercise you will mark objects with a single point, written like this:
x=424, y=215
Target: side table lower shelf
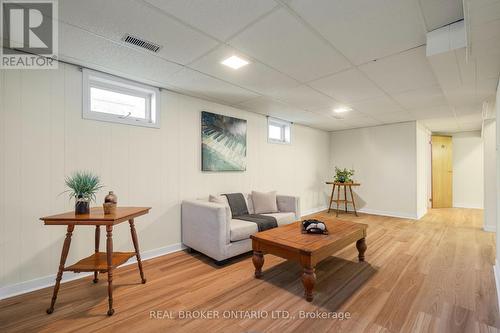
x=98, y=262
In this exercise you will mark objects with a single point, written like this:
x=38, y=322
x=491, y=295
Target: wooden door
x=442, y=171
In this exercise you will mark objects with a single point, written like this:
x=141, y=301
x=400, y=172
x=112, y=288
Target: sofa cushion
x=241, y=230
x=264, y=202
x=283, y=218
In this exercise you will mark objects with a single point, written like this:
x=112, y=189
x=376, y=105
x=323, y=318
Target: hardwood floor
x=432, y=275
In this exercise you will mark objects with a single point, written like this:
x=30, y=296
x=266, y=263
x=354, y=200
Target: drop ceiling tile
x=221, y=18
x=394, y=117
x=348, y=86
x=304, y=97
x=115, y=18
x=488, y=66
x=324, y=122
x=269, y=107
x=485, y=13
x=377, y=105
x=362, y=122
x=365, y=30
x=286, y=44
x=421, y=98
x=408, y=70
x=83, y=48
x=430, y=113
x=199, y=84
x=440, y=13
x=254, y=76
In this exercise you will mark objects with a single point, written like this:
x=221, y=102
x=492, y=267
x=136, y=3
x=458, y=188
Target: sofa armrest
x=288, y=203
x=205, y=227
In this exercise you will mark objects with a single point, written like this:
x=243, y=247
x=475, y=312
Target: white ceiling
x=305, y=58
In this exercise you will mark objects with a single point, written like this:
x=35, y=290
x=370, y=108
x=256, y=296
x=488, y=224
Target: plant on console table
x=343, y=175
x=83, y=186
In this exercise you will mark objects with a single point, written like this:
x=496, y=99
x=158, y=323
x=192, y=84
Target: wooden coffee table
x=290, y=243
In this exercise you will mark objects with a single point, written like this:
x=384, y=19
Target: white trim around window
x=113, y=99
x=279, y=131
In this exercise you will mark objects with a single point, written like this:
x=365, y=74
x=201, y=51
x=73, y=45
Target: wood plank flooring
x=432, y=275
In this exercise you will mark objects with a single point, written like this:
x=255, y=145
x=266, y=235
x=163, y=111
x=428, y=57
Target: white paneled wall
x=43, y=138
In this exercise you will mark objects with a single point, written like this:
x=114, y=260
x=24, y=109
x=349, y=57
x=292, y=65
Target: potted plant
x=343, y=175
x=83, y=186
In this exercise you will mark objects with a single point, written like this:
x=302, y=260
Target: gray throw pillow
x=264, y=202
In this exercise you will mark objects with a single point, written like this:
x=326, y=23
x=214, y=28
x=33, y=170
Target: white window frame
x=283, y=125
x=94, y=79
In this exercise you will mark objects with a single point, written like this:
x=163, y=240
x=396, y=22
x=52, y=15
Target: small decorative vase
x=111, y=197
x=82, y=206
x=341, y=179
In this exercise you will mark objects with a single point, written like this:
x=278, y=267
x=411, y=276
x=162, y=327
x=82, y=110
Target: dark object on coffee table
x=314, y=227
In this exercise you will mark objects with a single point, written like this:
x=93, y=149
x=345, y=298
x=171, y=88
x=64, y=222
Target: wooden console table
x=345, y=201
x=99, y=262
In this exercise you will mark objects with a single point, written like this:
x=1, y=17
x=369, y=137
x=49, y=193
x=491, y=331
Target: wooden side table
x=345, y=201
x=99, y=262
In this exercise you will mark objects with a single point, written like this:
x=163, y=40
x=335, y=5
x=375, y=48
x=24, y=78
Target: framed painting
x=223, y=142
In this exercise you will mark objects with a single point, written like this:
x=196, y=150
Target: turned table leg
x=258, y=262
x=353, y=203
x=136, y=247
x=308, y=280
x=64, y=255
x=361, y=246
x=331, y=198
x=97, y=239
x=109, y=257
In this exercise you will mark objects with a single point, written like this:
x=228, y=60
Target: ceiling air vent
x=142, y=43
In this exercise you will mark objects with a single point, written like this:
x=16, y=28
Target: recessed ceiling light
x=234, y=62
x=342, y=110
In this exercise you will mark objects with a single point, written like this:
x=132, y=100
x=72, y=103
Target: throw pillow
x=264, y=202
x=221, y=199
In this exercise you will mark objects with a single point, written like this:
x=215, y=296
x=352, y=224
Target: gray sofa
x=207, y=227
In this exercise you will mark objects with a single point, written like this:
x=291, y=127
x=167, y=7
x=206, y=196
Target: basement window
x=278, y=131
x=113, y=99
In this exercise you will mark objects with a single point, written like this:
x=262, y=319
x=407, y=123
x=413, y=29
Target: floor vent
x=142, y=43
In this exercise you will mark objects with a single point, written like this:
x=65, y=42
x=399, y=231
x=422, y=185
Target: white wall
x=384, y=158
x=43, y=138
x=490, y=176
x=423, y=169
x=468, y=187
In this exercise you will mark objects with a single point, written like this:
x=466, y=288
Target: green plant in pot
x=83, y=186
x=343, y=175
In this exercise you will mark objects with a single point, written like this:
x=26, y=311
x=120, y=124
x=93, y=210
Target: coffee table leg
x=308, y=280
x=361, y=246
x=109, y=257
x=258, y=262
x=97, y=239
x=136, y=247
x=64, y=255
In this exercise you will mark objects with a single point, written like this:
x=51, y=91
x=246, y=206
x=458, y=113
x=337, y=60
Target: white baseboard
x=48, y=281
x=464, y=205
x=489, y=228
x=366, y=211
x=386, y=213
x=314, y=210
x=496, y=273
